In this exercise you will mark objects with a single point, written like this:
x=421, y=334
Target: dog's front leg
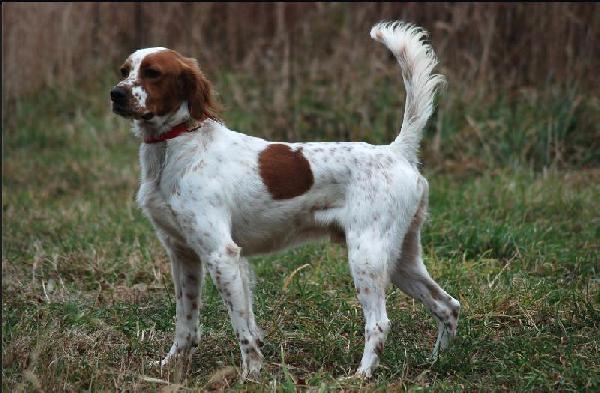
x=211, y=239
x=188, y=278
x=232, y=282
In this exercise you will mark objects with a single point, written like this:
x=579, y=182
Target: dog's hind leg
x=411, y=276
x=368, y=258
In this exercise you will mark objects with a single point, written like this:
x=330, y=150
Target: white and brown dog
x=216, y=196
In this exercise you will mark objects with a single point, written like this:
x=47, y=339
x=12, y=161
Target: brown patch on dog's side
x=285, y=172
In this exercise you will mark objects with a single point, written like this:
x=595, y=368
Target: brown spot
x=455, y=313
x=259, y=343
x=367, y=290
x=379, y=348
x=126, y=68
x=357, y=290
x=232, y=250
x=189, y=316
x=244, y=341
x=198, y=165
x=320, y=206
x=192, y=278
x=194, y=305
x=285, y=172
x=189, y=296
x=380, y=329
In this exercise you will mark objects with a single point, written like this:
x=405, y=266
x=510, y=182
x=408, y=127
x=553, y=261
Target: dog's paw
x=167, y=360
x=252, y=360
x=251, y=375
x=251, y=369
x=445, y=335
x=174, y=356
x=159, y=363
x=363, y=373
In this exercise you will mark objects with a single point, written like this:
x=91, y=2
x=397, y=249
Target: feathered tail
x=417, y=59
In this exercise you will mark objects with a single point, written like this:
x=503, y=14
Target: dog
x=216, y=196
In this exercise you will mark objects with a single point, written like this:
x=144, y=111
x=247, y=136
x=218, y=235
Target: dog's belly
x=267, y=235
x=277, y=239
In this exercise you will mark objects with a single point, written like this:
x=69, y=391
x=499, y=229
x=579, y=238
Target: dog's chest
x=155, y=188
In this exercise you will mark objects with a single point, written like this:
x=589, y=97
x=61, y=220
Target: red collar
x=173, y=133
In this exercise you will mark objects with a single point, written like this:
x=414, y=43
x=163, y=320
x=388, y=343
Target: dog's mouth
x=128, y=113
x=122, y=110
x=147, y=116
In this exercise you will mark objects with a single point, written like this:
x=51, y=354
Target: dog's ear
x=198, y=91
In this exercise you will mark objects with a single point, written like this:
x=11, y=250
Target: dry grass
x=496, y=45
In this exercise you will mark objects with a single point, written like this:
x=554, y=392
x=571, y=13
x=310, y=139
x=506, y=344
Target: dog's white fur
x=211, y=209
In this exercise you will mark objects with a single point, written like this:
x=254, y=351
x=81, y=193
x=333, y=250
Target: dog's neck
x=160, y=124
x=152, y=156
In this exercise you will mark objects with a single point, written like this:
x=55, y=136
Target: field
x=513, y=233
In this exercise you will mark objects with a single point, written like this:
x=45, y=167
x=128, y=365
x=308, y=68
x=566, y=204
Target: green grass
x=87, y=296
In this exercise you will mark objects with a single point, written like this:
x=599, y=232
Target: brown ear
x=198, y=92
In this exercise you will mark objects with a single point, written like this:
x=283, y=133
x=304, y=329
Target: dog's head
x=157, y=81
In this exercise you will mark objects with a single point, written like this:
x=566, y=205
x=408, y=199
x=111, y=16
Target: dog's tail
x=416, y=60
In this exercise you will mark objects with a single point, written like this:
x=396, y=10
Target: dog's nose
x=118, y=94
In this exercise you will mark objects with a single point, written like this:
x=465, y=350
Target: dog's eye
x=124, y=72
x=151, y=73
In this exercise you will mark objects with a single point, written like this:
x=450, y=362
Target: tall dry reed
x=50, y=44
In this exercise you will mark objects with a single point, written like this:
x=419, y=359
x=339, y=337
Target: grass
x=87, y=296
